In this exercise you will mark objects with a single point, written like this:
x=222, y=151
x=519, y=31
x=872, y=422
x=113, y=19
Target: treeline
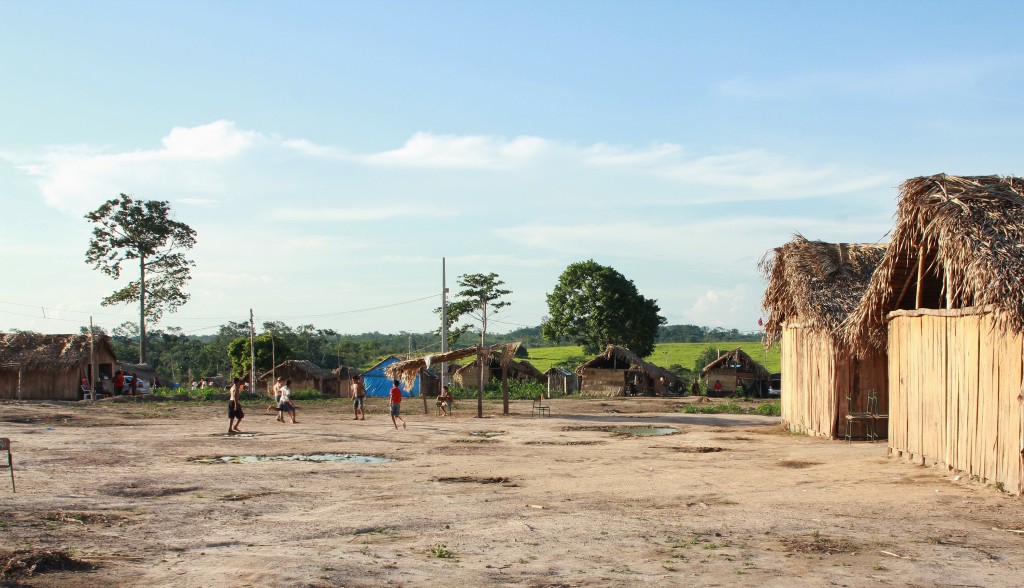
x=177, y=354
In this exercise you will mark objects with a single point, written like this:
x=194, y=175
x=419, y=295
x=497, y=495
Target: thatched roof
x=616, y=355
x=407, y=370
x=815, y=283
x=292, y=367
x=741, y=358
x=970, y=231
x=37, y=351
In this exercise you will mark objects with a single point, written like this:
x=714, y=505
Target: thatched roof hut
x=617, y=371
x=957, y=244
x=734, y=367
x=947, y=301
x=812, y=287
x=50, y=366
x=815, y=283
x=303, y=374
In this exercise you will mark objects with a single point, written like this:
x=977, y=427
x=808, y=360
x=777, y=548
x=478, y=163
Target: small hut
x=812, y=287
x=468, y=376
x=561, y=381
x=620, y=372
x=341, y=385
x=304, y=375
x=34, y=366
x=947, y=301
x=734, y=367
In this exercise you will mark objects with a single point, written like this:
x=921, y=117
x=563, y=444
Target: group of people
x=284, y=405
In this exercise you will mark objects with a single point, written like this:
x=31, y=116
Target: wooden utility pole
x=93, y=376
x=252, y=351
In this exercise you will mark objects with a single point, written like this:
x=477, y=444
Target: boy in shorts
x=396, y=404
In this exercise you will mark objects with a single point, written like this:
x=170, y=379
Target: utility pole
x=93, y=377
x=444, y=322
x=252, y=352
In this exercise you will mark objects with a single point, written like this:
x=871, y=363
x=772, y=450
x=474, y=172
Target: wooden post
x=480, y=391
x=504, y=389
x=21, y=371
x=93, y=376
x=920, y=274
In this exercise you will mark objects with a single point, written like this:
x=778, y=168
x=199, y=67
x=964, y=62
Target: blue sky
x=329, y=154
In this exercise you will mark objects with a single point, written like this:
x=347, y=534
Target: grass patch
x=440, y=551
x=665, y=354
x=773, y=408
x=727, y=407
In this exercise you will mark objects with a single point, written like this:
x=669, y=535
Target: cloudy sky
x=329, y=154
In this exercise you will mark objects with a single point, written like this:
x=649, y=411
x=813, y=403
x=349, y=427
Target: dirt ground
x=501, y=501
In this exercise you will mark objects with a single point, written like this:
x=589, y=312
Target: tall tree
x=595, y=306
x=480, y=296
x=142, y=231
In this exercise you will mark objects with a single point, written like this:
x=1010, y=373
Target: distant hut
x=468, y=376
x=813, y=287
x=618, y=371
x=948, y=301
x=304, y=375
x=732, y=368
x=51, y=367
x=561, y=381
x=342, y=382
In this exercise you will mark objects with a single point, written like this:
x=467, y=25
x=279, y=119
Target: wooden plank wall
x=816, y=379
x=601, y=382
x=955, y=396
x=40, y=385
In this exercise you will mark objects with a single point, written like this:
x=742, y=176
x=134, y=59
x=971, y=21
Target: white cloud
x=461, y=152
x=75, y=180
x=724, y=308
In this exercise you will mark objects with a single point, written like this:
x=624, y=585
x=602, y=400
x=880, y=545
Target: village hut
x=812, y=287
x=34, y=366
x=947, y=300
x=341, y=385
x=734, y=367
x=561, y=381
x=468, y=376
x=620, y=372
x=304, y=375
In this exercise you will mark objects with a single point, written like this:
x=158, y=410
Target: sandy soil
x=559, y=501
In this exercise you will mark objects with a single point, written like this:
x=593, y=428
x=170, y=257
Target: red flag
x=760, y=323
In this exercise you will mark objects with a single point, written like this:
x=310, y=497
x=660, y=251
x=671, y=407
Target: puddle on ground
x=643, y=431
x=314, y=457
x=476, y=480
x=564, y=442
x=486, y=433
x=697, y=449
x=234, y=435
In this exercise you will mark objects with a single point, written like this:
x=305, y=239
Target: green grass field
x=665, y=354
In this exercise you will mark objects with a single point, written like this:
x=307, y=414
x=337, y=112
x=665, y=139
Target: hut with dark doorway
x=947, y=302
x=304, y=375
x=34, y=366
x=620, y=372
x=812, y=287
x=561, y=381
x=733, y=368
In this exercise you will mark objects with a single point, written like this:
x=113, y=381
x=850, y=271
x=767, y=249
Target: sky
x=330, y=154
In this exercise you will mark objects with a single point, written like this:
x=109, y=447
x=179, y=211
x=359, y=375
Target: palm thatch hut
x=618, y=372
x=734, y=367
x=304, y=375
x=561, y=381
x=468, y=376
x=34, y=366
x=812, y=287
x=948, y=302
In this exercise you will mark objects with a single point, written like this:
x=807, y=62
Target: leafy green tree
x=707, y=356
x=480, y=296
x=142, y=231
x=596, y=306
x=267, y=346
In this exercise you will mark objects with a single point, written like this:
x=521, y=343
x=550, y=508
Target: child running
x=396, y=404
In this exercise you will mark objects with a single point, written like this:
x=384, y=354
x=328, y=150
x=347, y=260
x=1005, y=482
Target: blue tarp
x=379, y=386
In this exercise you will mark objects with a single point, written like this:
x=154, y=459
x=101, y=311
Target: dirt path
x=557, y=501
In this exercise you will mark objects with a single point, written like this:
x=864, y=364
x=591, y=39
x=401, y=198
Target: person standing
x=396, y=404
x=358, y=398
x=134, y=386
x=286, y=405
x=235, y=413
x=118, y=383
x=444, y=400
x=278, y=384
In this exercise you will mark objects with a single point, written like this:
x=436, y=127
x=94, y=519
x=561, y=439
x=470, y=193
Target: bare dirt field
x=117, y=493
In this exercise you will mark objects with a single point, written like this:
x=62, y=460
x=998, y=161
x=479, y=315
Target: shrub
x=517, y=390
x=773, y=408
